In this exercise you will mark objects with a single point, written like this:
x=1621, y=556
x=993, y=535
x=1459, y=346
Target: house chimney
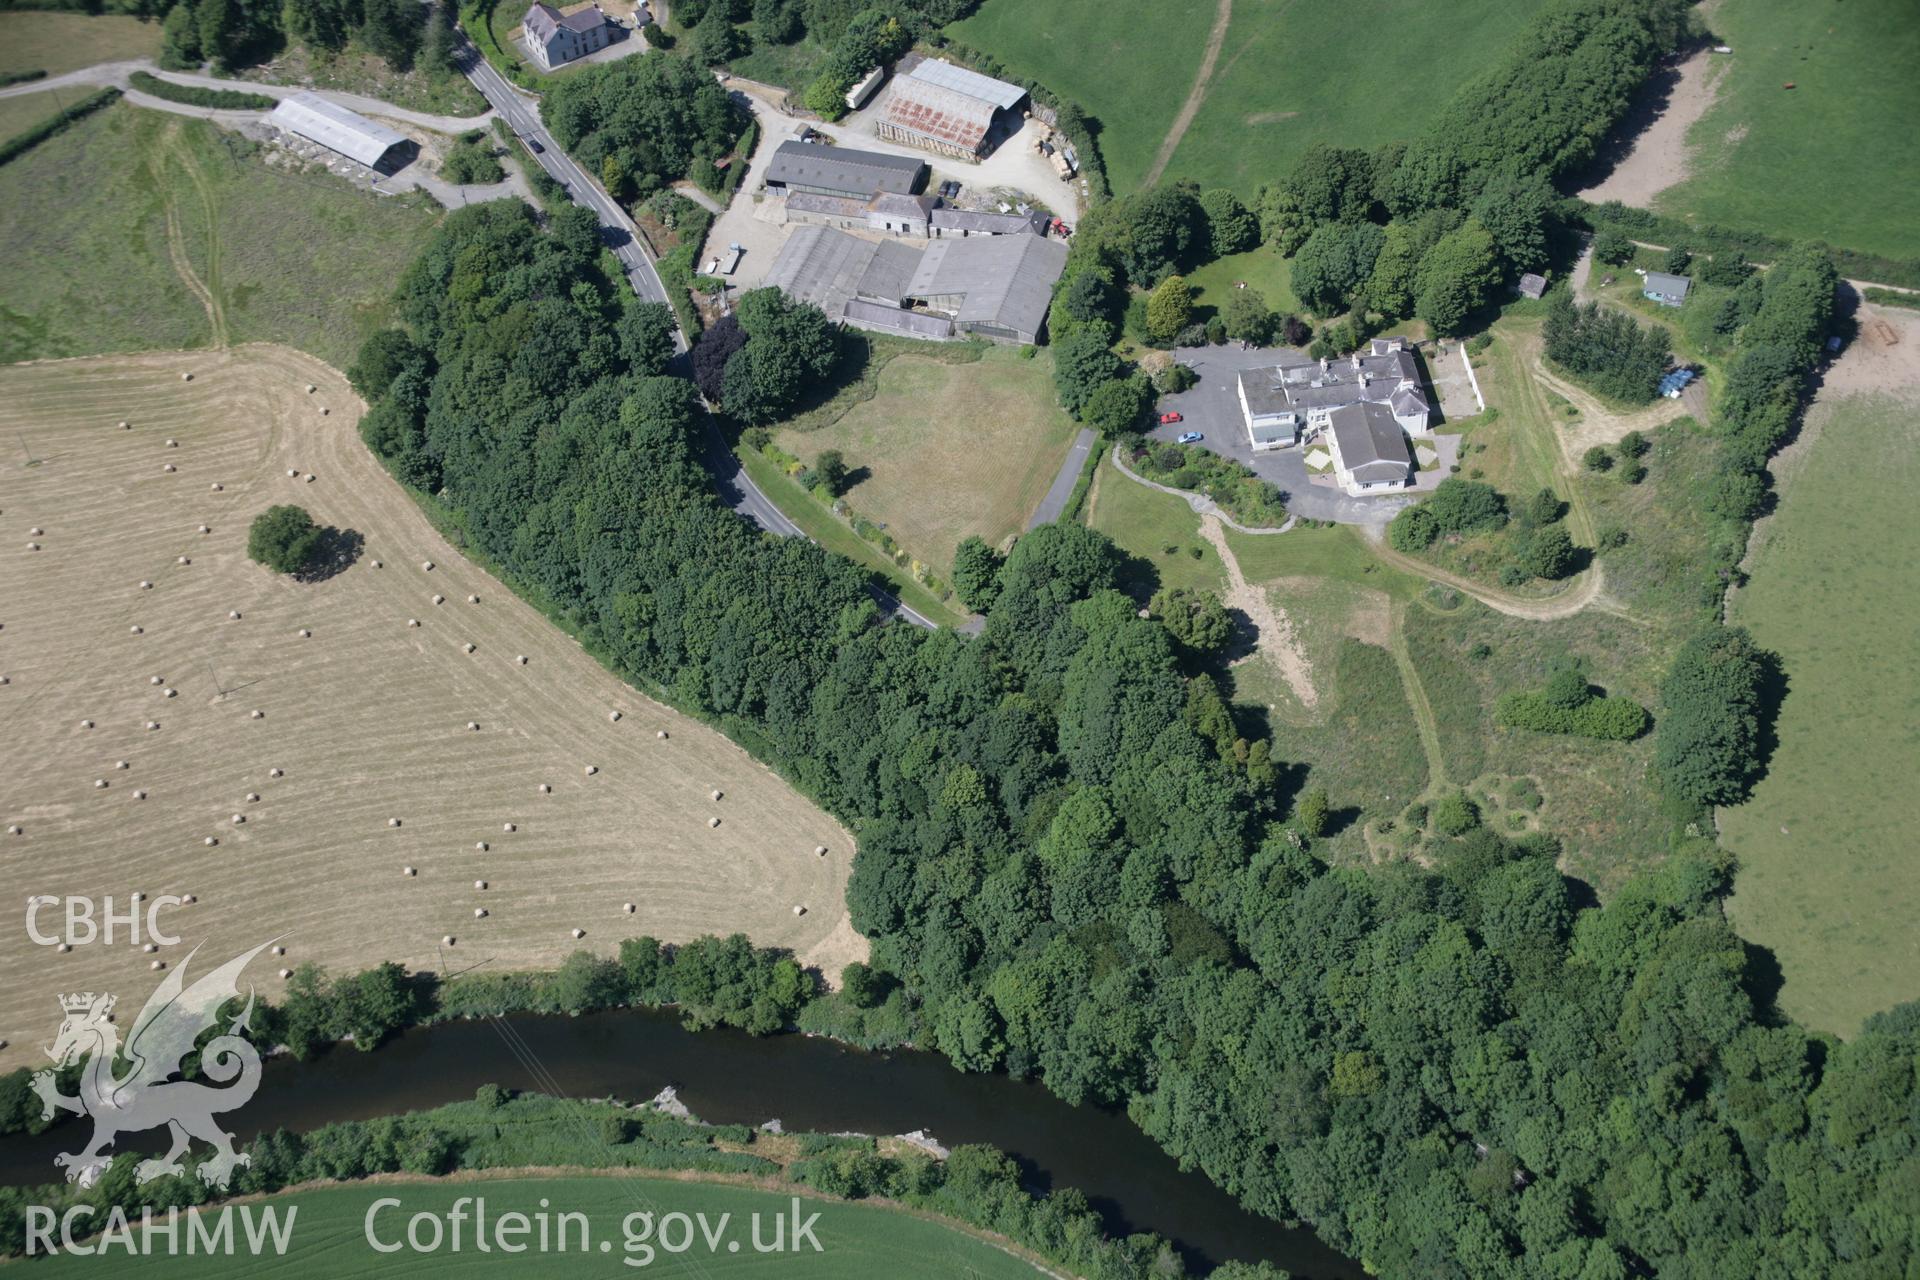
x=1355, y=357
x=1323, y=364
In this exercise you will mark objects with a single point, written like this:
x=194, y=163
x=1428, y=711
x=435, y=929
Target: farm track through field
x=367, y=715
x=205, y=290
x=1423, y=717
x=1216, y=40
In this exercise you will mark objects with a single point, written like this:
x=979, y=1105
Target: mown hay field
x=366, y=718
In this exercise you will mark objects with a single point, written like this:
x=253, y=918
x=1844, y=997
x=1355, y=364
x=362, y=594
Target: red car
x=1170, y=417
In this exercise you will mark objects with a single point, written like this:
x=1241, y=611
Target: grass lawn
x=136, y=230
x=17, y=115
x=837, y=536
x=1290, y=73
x=1826, y=876
x=1144, y=523
x=61, y=42
x=790, y=66
x=1848, y=120
x=1130, y=63
x=1263, y=270
x=330, y=1235
x=944, y=451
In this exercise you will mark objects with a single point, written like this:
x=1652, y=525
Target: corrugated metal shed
x=939, y=113
x=1002, y=281
x=843, y=170
x=939, y=71
x=871, y=315
x=336, y=128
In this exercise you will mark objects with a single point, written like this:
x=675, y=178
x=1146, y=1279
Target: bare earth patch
x=366, y=718
x=1270, y=117
x=1275, y=639
x=1660, y=157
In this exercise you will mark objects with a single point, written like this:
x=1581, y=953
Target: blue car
x=1191, y=437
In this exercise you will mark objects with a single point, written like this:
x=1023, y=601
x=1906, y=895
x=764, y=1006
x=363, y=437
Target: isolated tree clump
x=1196, y=619
x=284, y=539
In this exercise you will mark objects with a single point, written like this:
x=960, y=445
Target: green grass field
x=135, y=230
x=60, y=42
x=1826, y=876
x=1832, y=158
x=1290, y=73
x=1263, y=270
x=1145, y=522
x=330, y=1236
x=943, y=451
x=17, y=115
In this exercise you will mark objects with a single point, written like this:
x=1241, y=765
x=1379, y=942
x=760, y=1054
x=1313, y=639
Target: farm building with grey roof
x=946, y=109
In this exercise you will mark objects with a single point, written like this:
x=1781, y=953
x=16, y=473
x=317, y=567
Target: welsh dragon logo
x=144, y=1096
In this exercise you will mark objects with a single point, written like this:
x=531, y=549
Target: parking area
x=1212, y=407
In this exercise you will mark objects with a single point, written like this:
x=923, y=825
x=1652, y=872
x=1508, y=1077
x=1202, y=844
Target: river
x=725, y=1076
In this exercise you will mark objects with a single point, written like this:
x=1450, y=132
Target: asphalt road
x=735, y=487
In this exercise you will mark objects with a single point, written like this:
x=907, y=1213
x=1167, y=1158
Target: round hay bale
x=63, y=948
x=439, y=599
x=156, y=680
x=275, y=773
x=134, y=630
x=86, y=724
x=139, y=795
x=820, y=849
x=447, y=941
x=233, y=615
x=153, y=724
x=713, y=822
x=718, y=793
x=628, y=908
x=508, y=826
x=145, y=585
x=409, y=872
x=481, y=846
x=186, y=377
x=285, y=974
x=545, y=789
x=479, y=913
x=173, y=693
x=33, y=546
x=310, y=477
x=469, y=646
x=413, y=622
x=393, y=822
x=376, y=564
x=311, y=388
x=257, y=714
x=120, y=764
x=579, y=934
x=480, y=884
x=172, y=443
x=99, y=783
x=279, y=951
x=613, y=715
x=210, y=841
x=183, y=560
x=473, y=599
x=125, y=425
x=36, y=531
x=168, y=468
x=592, y=769
x=427, y=565
x=799, y=910
x=324, y=411
x=204, y=529
x=13, y=829
x=305, y=634
x=150, y=948
x=189, y=899
x=217, y=487
x=239, y=818
x=293, y=473
x=6, y=679
x=473, y=724
x=253, y=797
x=662, y=734
x=522, y=659
x=158, y=964
x=139, y=897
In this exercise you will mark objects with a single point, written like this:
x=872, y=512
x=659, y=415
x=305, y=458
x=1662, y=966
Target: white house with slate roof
x=1296, y=398
x=556, y=38
x=1369, y=449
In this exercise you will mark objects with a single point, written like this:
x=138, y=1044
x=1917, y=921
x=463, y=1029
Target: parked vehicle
x=1170, y=417
x=1191, y=437
x=533, y=144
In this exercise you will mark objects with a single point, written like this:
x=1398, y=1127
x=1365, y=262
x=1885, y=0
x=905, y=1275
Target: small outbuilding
x=1667, y=290
x=1532, y=285
x=334, y=127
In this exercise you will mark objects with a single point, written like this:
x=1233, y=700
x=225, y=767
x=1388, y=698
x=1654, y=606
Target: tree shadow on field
x=1763, y=978
x=335, y=553
x=1774, y=688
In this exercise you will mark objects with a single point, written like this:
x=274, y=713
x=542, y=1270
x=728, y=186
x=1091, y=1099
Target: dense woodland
x=1074, y=863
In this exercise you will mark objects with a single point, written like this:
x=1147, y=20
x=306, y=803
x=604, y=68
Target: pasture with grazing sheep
x=356, y=769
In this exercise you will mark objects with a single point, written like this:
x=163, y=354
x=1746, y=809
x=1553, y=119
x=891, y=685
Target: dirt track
x=1216, y=40
x=367, y=717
